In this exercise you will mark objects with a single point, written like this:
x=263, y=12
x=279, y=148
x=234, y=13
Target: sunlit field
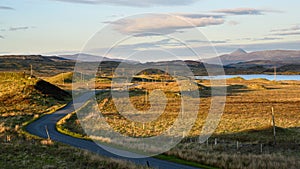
x=244, y=136
x=22, y=100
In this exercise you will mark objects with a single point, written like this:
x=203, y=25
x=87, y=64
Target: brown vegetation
x=23, y=98
x=246, y=119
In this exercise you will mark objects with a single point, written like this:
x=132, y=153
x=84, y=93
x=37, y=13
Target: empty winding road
x=38, y=128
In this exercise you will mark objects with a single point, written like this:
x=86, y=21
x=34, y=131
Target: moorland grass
x=20, y=103
x=246, y=119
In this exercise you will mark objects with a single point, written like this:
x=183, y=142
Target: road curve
x=38, y=128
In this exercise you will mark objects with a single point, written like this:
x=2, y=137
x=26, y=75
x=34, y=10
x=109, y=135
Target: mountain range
x=237, y=62
x=270, y=56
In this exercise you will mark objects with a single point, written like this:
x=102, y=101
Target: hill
x=41, y=65
x=61, y=78
x=21, y=94
x=239, y=52
x=24, y=98
x=263, y=63
x=284, y=56
x=238, y=62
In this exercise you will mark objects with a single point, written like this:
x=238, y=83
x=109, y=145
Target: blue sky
x=66, y=26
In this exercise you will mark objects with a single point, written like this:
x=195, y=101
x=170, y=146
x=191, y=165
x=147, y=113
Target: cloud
x=287, y=33
x=233, y=23
x=267, y=38
x=206, y=42
x=244, y=11
x=1, y=37
x=219, y=41
x=293, y=30
x=6, y=8
x=164, y=43
x=18, y=28
x=165, y=24
x=135, y=3
x=196, y=15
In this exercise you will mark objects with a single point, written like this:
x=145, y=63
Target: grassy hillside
x=41, y=65
x=46, y=66
x=22, y=99
x=61, y=78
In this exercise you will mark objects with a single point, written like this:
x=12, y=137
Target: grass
x=30, y=154
x=247, y=119
x=21, y=102
x=215, y=157
x=76, y=131
x=181, y=161
x=61, y=78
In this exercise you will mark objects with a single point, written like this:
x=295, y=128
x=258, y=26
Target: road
x=38, y=128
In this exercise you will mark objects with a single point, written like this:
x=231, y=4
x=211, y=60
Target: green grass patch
x=182, y=161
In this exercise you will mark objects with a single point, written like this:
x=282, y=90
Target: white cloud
x=287, y=33
x=137, y=3
x=165, y=24
x=266, y=39
x=293, y=30
x=244, y=11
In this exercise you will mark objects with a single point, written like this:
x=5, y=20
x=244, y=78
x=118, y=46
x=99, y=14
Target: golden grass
x=61, y=78
x=245, y=109
x=20, y=102
x=235, y=160
x=246, y=118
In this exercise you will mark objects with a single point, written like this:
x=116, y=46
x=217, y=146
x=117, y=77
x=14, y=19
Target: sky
x=140, y=30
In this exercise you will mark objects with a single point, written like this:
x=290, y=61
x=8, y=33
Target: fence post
x=274, y=126
x=47, y=133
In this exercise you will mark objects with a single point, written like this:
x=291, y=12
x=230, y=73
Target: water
x=253, y=76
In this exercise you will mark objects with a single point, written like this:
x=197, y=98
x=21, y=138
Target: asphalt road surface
x=38, y=128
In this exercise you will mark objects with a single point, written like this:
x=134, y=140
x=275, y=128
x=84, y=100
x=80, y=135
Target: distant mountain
x=239, y=52
x=286, y=62
x=198, y=68
x=284, y=56
x=262, y=67
x=93, y=58
x=254, y=63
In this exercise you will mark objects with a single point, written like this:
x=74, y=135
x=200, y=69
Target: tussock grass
x=247, y=119
x=256, y=86
x=236, y=160
x=33, y=154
